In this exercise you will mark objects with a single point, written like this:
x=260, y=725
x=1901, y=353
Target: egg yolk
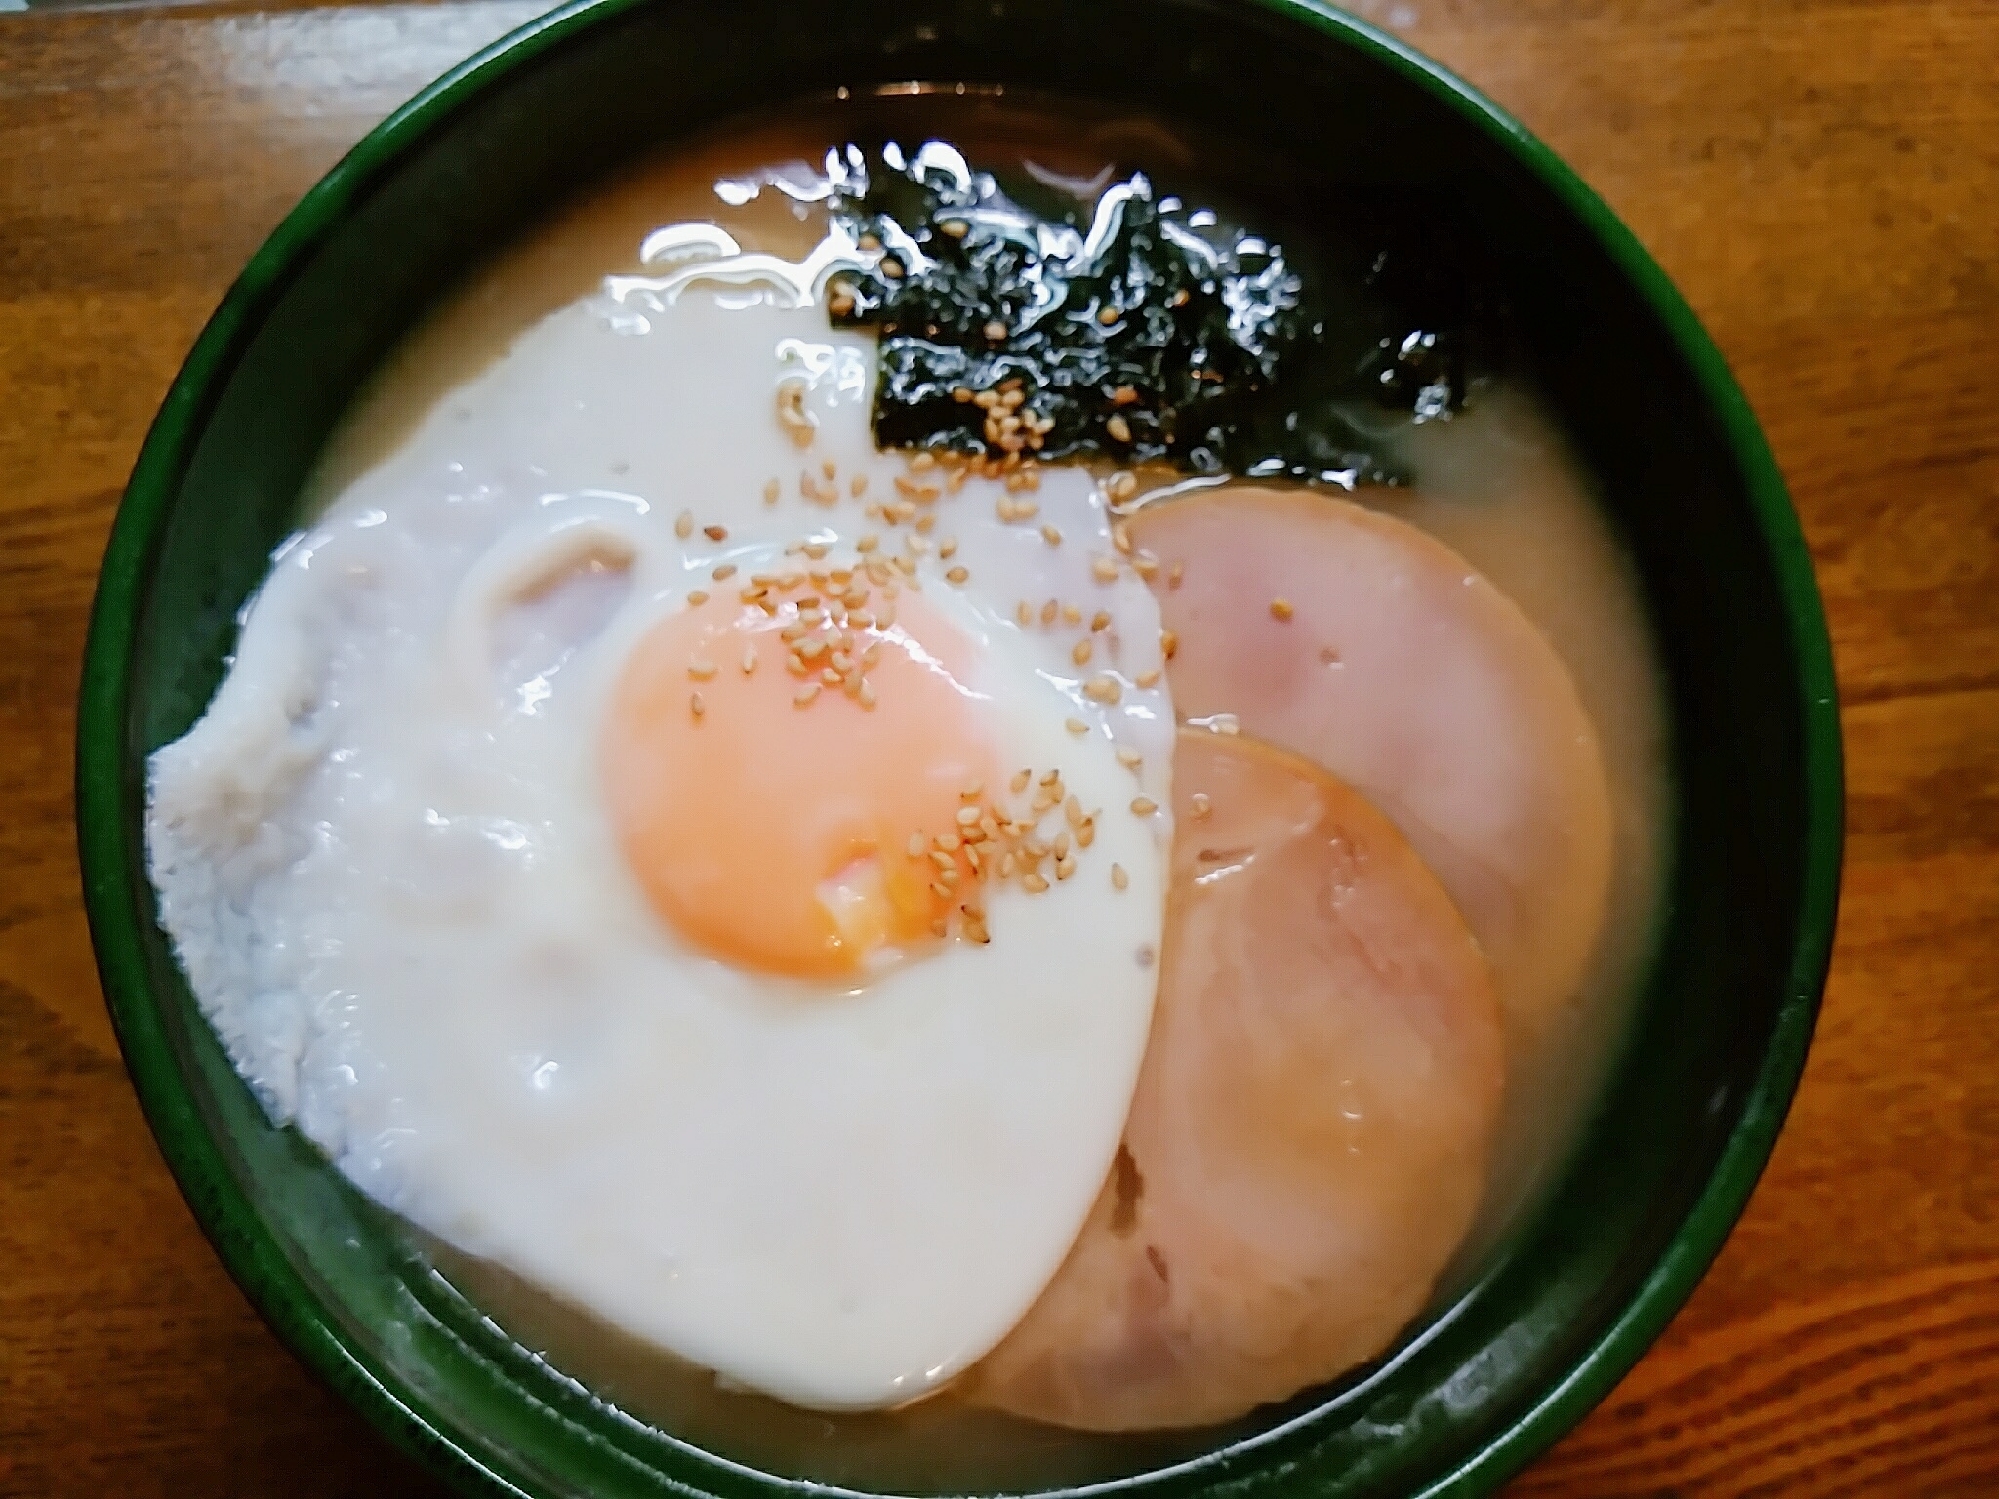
x=766, y=774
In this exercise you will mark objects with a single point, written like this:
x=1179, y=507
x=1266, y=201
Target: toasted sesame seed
x=1050, y=535
x=1020, y=780
x=1280, y=609
x=1121, y=485
x=683, y=524
x=995, y=331
x=694, y=704
x=715, y=533
x=1121, y=537
x=1199, y=805
x=1080, y=653
x=1024, y=612
x=1119, y=879
x=1107, y=315
x=1129, y=758
x=1064, y=868
x=771, y=491
x=1180, y=298
x=1168, y=644
x=1060, y=847
x=962, y=394
x=956, y=575
x=1118, y=428
x=948, y=547
x=723, y=573
x=1144, y=563
x=1049, y=611
x=1103, y=688
x=1086, y=832
x=1072, y=812
x=805, y=694
x=1147, y=678
x=891, y=268
x=1076, y=726
x=1104, y=570
x=697, y=597
x=1033, y=884
x=1025, y=509
x=1144, y=806
x=1175, y=573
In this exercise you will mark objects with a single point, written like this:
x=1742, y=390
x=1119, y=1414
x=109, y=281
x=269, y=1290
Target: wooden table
x=1821, y=177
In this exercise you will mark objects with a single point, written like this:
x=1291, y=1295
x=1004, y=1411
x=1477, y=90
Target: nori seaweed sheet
x=1221, y=353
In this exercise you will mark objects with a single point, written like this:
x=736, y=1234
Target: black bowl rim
x=106, y=841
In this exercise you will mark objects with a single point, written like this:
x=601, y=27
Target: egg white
x=387, y=867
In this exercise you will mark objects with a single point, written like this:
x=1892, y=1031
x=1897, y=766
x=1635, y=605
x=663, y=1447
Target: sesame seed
x=1048, y=612
x=1121, y=537
x=1122, y=485
x=723, y=573
x=858, y=485
x=866, y=695
x=771, y=491
x=1129, y=758
x=918, y=845
x=962, y=394
x=1143, y=806
x=1024, y=612
x=995, y=331
x=1050, y=535
x=1064, y=868
x=715, y=533
x=749, y=660
x=1033, y=884
x=948, y=547
x=1181, y=298
x=810, y=650
x=949, y=842
x=1225, y=723
x=1103, y=688
x=805, y=695
x=968, y=817
x=701, y=671
x=891, y=268
x=1060, y=847
x=683, y=524
x=697, y=598
x=1072, y=812
x=1118, y=427
x=1147, y=678
x=1280, y=609
x=1200, y=805
x=1145, y=564
x=1020, y=780
x=1107, y=315
x=955, y=228
x=1168, y=644
x=1104, y=570
x=956, y=575
x=1025, y=509
x=695, y=706
x=1175, y=573
x=1076, y=726
x=1119, y=879
x=1080, y=653
x=1086, y=832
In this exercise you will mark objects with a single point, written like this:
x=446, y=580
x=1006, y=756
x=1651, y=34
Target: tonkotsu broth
x=1496, y=482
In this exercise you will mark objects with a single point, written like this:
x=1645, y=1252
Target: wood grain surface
x=1821, y=177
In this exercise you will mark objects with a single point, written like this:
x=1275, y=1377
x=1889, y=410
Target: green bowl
x=1720, y=1036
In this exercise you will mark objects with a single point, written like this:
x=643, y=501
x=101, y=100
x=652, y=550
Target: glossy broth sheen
x=1496, y=483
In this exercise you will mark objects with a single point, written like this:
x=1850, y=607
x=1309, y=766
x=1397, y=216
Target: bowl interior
x=1720, y=1032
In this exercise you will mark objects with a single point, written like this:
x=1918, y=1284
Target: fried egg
x=660, y=844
